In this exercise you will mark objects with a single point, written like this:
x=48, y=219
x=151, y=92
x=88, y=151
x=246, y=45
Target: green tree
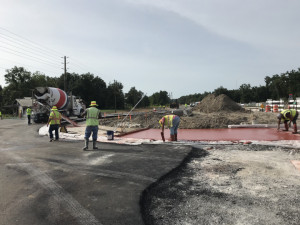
x=160, y=98
x=221, y=90
x=91, y=88
x=18, y=84
x=115, y=97
x=133, y=96
x=246, y=93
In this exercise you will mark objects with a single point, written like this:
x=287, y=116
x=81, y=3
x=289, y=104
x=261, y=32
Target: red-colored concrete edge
x=131, y=132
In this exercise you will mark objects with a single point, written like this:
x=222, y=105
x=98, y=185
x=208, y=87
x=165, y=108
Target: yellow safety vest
x=92, y=116
x=28, y=111
x=284, y=112
x=55, y=117
x=168, y=120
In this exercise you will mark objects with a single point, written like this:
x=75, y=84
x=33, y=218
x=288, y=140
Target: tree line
x=276, y=87
x=21, y=83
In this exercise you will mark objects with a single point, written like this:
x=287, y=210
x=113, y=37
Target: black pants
x=54, y=127
x=29, y=118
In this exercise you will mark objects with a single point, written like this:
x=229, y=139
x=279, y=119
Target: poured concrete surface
x=236, y=134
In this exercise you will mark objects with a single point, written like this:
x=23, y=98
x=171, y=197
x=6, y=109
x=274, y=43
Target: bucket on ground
x=110, y=135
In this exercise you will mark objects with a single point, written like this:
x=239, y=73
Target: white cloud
x=267, y=22
x=181, y=46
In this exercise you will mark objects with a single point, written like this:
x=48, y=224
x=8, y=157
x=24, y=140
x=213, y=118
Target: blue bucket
x=110, y=135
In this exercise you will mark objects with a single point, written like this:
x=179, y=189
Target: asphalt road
x=44, y=182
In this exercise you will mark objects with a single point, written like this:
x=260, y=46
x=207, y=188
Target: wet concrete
x=236, y=134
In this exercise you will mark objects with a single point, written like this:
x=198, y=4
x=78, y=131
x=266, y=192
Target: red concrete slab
x=236, y=134
x=296, y=164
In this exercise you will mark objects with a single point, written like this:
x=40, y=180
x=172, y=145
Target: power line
x=33, y=43
x=30, y=66
x=19, y=40
x=23, y=54
x=27, y=50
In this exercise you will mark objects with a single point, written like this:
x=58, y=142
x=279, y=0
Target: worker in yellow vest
x=172, y=121
x=92, y=121
x=288, y=115
x=28, y=111
x=0, y=115
x=54, y=121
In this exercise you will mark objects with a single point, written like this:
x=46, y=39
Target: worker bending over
x=288, y=115
x=92, y=115
x=172, y=121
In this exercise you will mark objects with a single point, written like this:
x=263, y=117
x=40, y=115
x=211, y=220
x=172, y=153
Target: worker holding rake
x=172, y=121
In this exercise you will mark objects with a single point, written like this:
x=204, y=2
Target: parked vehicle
x=46, y=97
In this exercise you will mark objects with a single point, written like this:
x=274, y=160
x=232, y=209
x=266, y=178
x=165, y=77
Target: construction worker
x=172, y=121
x=28, y=111
x=1, y=115
x=288, y=115
x=54, y=121
x=92, y=115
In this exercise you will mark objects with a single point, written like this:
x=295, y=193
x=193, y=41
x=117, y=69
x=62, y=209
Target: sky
x=179, y=46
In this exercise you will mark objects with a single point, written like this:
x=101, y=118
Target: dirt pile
x=211, y=103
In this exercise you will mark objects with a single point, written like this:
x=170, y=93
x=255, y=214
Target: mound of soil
x=211, y=103
x=212, y=112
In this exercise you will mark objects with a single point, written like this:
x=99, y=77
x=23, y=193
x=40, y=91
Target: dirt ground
x=197, y=120
x=227, y=184
x=213, y=112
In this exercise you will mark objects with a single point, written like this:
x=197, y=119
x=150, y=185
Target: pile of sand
x=211, y=103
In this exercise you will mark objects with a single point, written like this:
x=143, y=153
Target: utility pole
x=115, y=93
x=65, y=73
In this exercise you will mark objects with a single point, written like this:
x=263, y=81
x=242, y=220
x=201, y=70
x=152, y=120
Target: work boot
x=172, y=137
x=295, y=129
x=94, y=144
x=175, y=137
x=86, y=147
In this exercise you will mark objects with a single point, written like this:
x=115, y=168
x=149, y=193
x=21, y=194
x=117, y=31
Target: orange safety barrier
x=268, y=108
x=275, y=108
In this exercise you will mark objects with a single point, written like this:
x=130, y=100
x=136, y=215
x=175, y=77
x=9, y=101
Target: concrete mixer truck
x=46, y=97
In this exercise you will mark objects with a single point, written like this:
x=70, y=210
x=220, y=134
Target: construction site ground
x=147, y=182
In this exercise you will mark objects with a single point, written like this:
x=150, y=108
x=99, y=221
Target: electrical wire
x=18, y=47
x=46, y=54
x=51, y=51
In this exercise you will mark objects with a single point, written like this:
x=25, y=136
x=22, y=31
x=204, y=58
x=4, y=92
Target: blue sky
x=179, y=46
